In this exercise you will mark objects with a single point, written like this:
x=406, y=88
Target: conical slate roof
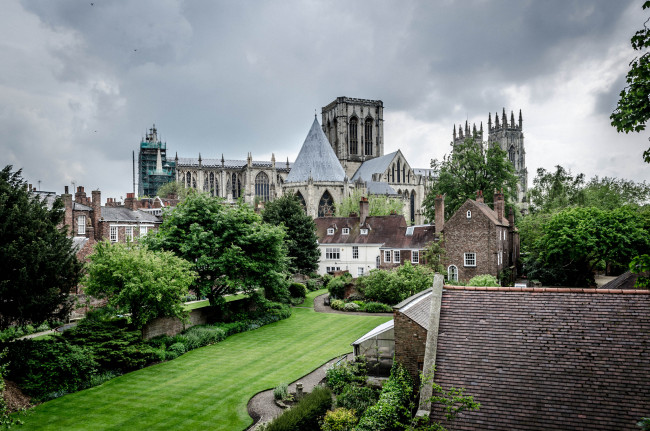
x=316, y=159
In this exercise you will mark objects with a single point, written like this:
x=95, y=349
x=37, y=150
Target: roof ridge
x=549, y=289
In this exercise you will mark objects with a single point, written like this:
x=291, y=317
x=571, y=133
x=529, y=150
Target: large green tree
x=378, y=205
x=38, y=265
x=469, y=168
x=143, y=283
x=301, y=240
x=231, y=248
x=576, y=241
x=633, y=109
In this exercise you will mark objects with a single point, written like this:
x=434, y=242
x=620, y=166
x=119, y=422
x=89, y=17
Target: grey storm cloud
x=83, y=80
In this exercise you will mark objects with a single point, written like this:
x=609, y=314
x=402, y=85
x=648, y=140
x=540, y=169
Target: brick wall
x=410, y=344
x=172, y=326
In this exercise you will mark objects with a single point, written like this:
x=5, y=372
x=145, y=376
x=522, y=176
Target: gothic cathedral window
x=326, y=205
x=354, y=133
x=262, y=187
x=368, y=137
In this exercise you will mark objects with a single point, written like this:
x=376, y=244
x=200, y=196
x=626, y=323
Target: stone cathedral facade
x=343, y=153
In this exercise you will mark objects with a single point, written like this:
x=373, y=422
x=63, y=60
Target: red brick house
x=407, y=244
x=535, y=358
x=478, y=239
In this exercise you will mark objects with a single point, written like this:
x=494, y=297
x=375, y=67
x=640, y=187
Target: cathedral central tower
x=355, y=130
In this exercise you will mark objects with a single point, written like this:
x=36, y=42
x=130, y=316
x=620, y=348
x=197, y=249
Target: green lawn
x=309, y=300
x=205, y=302
x=208, y=388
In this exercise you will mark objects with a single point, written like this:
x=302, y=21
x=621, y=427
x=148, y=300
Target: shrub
x=312, y=285
x=177, y=348
x=357, y=398
x=337, y=304
x=350, y=306
x=339, y=420
x=484, y=280
x=306, y=414
x=297, y=290
x=346, y=373
x=281, y=392
x=199, y=336
x=336, y=287
x=393, y=405
x=376, y=307
x=393, y=286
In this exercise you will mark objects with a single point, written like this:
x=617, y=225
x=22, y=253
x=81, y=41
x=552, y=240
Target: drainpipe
x=431, y=347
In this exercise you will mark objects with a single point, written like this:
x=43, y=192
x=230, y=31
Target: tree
x=435, y=254
x=378, y=205
x=174, y=188
x=38, y=265
x=468, y=169
x=579, y=239
x=610, y=193
x=556, y=190
x=633, y=109
x=139, y=281
x=301, y=240
x=231, y=248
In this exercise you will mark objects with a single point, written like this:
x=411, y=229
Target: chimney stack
x=67, y=202
x=499, y=205
x=97, y=213
x=129, y=201
x=439, y=213
x=363, y=210
x=511, y=218
x=479, y=197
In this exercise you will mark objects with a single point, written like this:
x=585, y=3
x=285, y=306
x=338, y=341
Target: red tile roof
x=380, y=229
x=547, y=358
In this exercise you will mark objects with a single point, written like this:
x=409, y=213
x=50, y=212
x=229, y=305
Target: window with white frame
x=469, y=214
x=346, y=231
x=330, y=231
x=144, y=230
x=332, y=253
x=396, y=256
x=360, y=271
x=386, y=255
x=81, y=225
x=470, y=259
x=409, y=231
x=452, y=273
x=363, y=231
x=415, y=256
x=113, y=234
x=332, y=268
x=355, y=252
x=129, y=233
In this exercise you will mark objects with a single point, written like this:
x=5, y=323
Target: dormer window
x=409, y=231
x=330, y=231
x=363, y=231
x=346, y=231
x=469, y=214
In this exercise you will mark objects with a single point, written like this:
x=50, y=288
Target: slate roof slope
x=380, y=229
x=421, y=237
x=417, y=307
x=316, y=159
x=547, y=359
x=230, y=164
x=491, y=214
x=125, y=214
x=379, y=188
x=377, y=165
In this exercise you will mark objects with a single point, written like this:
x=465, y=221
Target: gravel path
x=262, y=407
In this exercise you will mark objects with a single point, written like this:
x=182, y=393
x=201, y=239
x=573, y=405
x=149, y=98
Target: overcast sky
x=81, y=81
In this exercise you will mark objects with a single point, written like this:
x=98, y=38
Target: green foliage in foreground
x=395, y=285
x=640, y=265
x=484, y=280
x=208, y=388
x=305, y=415
x=138, y=281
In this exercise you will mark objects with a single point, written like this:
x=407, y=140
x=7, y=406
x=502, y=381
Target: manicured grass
x=309, y=300
x=206, y=303
x=208, y=388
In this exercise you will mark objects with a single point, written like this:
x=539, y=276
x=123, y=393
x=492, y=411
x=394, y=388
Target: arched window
x=404, y=173
x=206, y=182
x=188, y=180
x=392, y=180
x=354, y=135
x=452, y=273
x=211, y=183
x=262, y=186
x=326, y=205
x=413, y=206
x=368, y=137
x=511, y=154
x=235, y=186
x=216, y=187
x=302, y=200
x=398, y=168
x=194, y=182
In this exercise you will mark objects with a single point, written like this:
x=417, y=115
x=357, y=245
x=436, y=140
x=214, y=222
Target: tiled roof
x=623, y=281
x=80, y=207
x=547, y=358
x=380, y=188
x=420, y=238
x=316, y=159
x=417, y=307
x=377, y=165
x=381, y=229
x=125, y=214
x=491, y=214
x=229, y=164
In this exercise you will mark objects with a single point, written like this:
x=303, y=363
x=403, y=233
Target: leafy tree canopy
x=378, y=205
x=174, y=188
x=301, y=240
x=139, y=281
x=466, y=170
x=38, y=265
x=633, y=109
x=231, y=248
x=578, y=239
